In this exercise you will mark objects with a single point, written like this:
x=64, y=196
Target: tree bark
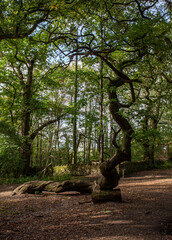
x=38, y=186
x=146, y=151
x=101, y=107
x=75, y=113
x=27, y=96
x=106, y=196
x=123, y=153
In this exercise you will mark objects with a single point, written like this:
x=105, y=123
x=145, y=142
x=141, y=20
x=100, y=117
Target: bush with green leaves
x=10, y=161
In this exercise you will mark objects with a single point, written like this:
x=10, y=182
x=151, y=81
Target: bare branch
x=141, y=11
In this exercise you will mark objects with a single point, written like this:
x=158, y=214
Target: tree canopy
x=84, y=81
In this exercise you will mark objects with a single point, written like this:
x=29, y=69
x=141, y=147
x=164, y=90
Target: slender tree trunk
x=101, y=104
x=57, y=136
x=40, y=150
x=67, y=149
x=101, y=113
x=57, y=143
x=84, y=153
x=75, y=112
x=152, y=145
x=88, y=150
x=111, y=134
x=85, y=139
x=89, y=131
x=37, y=149
x=106, y=142
x=27, y=143
x=49, y=145
x=146, y=144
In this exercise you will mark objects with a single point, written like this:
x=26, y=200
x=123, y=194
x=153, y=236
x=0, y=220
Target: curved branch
x=35, y=133
x=117, y=72
x=142, y=11
x=114, y=138
x=19, y=60
x=69, y=1
x=132, y=95
x=23, y=34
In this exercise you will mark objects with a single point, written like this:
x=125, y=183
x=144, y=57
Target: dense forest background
x=83, y=82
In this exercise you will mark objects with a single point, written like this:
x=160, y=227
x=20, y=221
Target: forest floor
x=145, y=212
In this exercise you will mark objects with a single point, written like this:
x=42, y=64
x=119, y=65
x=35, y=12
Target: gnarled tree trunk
x=110, y=177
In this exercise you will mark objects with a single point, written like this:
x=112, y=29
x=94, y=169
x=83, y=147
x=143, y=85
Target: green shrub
x=22, y=179
x=164, y=165
x=131, y=167
x=10, y=161
x=62, y=177
x=18, y=180
x=76, y=170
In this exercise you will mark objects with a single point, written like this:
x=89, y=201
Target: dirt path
x=144, y=214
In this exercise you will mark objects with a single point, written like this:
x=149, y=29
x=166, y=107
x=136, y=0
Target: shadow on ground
x=145, y=213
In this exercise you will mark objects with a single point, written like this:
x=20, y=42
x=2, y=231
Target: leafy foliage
x=127, y=44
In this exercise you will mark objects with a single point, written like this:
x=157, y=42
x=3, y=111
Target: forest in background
x=83, y=82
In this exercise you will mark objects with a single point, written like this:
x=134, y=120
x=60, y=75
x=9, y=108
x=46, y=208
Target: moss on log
x=100, y=196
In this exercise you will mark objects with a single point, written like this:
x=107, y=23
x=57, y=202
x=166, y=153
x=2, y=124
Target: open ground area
x=145, y=212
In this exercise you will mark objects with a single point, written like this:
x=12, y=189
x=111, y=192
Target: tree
x=75, y=111
x=133, y=52
x=28, y=66
x=151, y=107
x=128, y=40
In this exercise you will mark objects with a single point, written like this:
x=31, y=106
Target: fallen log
x=38, y=186
x=98, y=195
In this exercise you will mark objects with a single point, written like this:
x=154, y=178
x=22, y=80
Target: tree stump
x=100, y=196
